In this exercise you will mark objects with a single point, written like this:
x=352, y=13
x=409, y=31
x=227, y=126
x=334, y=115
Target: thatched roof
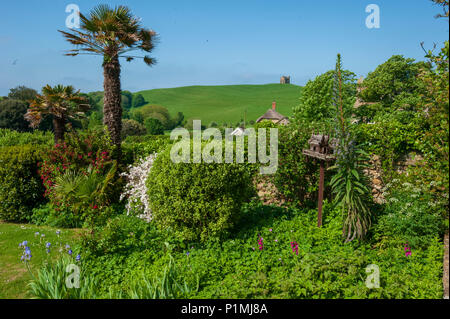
x=271, y=114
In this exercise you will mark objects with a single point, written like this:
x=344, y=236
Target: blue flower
x=58, y=232
x=70, y=252
x=187, y=254
x=47, y=245
x=78, y=257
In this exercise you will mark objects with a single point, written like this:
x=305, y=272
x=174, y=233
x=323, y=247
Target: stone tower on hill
x=285, y=79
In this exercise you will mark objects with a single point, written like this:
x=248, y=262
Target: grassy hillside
x=225, y=103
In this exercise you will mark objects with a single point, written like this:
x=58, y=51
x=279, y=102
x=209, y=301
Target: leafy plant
x=349, y=183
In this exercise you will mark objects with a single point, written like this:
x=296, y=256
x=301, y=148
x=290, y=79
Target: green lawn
x=225, y=103
x=14, y=275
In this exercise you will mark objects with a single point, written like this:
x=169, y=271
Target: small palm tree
x=112, y=33
x=62, y=102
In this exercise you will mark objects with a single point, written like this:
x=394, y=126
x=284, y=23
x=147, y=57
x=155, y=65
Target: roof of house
x=271, y=114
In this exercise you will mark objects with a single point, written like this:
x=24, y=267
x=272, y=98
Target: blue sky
x=218, y=42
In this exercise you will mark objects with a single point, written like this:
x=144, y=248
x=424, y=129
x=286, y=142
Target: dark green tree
x=154, y=126
x=12, y=115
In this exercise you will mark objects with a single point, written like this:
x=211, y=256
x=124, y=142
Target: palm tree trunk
x=58, y=129
x=112, y=109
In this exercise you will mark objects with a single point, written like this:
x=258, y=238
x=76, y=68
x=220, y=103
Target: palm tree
x=62, y=102
x=112, y=33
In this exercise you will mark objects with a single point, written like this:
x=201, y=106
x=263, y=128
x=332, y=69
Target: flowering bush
x=136, y=191
x=78, y=174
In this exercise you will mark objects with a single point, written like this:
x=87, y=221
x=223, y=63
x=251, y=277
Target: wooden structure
x=321, y=148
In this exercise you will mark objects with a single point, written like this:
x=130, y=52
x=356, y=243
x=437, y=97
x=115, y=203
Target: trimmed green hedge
x=20, y=186
x=197, y=200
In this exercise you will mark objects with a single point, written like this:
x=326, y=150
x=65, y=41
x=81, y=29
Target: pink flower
x=260, y=243
x=294, y=246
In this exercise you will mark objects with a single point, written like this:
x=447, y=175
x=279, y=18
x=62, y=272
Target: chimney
x=274, y=105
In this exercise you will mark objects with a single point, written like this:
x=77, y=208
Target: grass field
x=14, y=275
x=225, y=104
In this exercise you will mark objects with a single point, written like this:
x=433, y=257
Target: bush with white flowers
x=136, y=191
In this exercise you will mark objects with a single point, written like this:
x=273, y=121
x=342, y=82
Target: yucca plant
x=112, y=33
x=349, y=184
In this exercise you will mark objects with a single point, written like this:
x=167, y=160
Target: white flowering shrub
x=136, y=191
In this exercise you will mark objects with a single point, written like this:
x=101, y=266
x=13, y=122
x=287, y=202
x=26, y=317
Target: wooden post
x=321, y=181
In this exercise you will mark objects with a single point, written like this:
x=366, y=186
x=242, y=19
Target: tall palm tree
x=112, y=33
x=62, y=102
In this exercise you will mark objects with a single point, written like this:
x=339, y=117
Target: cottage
x=274, y=116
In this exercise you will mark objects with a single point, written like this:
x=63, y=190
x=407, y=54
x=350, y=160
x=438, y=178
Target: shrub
x=154, y=126
x=20, y=186
x=135, y=148
x=197, y=200
x=410, y=216
x=14, y=138
x=296, y=177
x=131, y=128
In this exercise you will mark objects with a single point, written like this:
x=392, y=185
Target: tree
x=154, y=126
x=112, y=33
x=316, y=103
x=62, y=102
x=138, y=100
x=131, y=128
x=22, y=93
x=129, y=96
x=394, y=84
x=11, y=115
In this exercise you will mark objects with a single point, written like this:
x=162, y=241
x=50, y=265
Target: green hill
x=225, y=104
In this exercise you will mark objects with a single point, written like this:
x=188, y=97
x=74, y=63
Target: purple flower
x=78, y=257
x=47, y=245
x=58, y=232
x=70, y=252
x=270, y=229
x=187, y=254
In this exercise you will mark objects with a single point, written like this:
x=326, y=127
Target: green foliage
x=138, y=100
x=168, y=286
x=14, y=138
x=50, y=282
x=20, y=186
x=154, y=126
x=131, y=128
x=12, y=115
x=22, y=93
x=137, y=147
x=410, y=216
x=393, y=83
x=349, y=183
x=316, y=101
x=237, y=268
x=296, y=177
x=197, y=200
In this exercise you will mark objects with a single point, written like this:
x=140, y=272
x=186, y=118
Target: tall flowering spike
x=261, y=243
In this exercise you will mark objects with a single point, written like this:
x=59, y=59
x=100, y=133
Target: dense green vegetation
x=154, y=227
